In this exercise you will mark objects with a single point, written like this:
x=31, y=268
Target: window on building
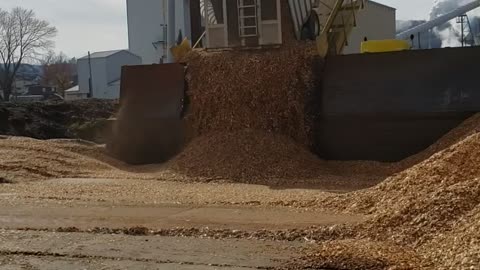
x=269, y=10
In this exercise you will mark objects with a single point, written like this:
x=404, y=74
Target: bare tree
x=22, y=37
x=58, y=71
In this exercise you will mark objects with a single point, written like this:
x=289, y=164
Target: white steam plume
x=450, y=33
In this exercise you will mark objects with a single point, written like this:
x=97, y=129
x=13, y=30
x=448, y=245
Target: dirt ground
x=123, y=224
x=46, y=250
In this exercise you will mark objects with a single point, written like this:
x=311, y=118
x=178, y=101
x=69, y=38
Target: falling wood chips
x=262, y=90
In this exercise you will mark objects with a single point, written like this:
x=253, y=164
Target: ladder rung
x=247, y=27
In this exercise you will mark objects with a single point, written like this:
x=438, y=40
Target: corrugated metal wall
x=300, y=11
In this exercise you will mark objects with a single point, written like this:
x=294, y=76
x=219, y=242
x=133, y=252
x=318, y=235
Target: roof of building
x=114, y=82
x=105, y=54
x=382, y=5
x=73, y=89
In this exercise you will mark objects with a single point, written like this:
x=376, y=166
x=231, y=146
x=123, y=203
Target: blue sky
x=102, y=25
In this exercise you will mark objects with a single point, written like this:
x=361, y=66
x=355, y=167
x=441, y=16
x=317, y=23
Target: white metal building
x=106, y=70
x=153, y=27
x=374, y=22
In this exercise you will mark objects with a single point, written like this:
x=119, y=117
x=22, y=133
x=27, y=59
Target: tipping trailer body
x=380, y=106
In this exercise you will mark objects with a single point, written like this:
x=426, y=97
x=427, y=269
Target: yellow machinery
x=389, y=45
x=180, y=50
x=342, y=18
x=338, y=26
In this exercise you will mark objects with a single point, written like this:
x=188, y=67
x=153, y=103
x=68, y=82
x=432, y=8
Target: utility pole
x=461, y=21
x=90, y=85
x=463, y=31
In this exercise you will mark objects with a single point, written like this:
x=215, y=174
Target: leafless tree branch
x=58, y=71
x=22, y=37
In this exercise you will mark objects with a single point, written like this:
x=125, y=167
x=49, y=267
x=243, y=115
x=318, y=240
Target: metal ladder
x=247, y=18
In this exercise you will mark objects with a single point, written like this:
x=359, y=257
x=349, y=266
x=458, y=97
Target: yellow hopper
x=389, y=45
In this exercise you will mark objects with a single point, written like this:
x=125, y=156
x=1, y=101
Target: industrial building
x=154, y=26
x=374, y=22
x=104, y=71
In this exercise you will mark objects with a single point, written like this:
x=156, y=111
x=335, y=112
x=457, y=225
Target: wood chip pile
x=248, y=156
x=263, y=90
x=259, y=157
x=24, y=159
x=430, y=200
x=431, y=209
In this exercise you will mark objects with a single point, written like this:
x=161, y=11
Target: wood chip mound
x=212, y=157
x=460, y=247
x=259, y=157
x=248, y=156
x=25, y=159
x=432, y=208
